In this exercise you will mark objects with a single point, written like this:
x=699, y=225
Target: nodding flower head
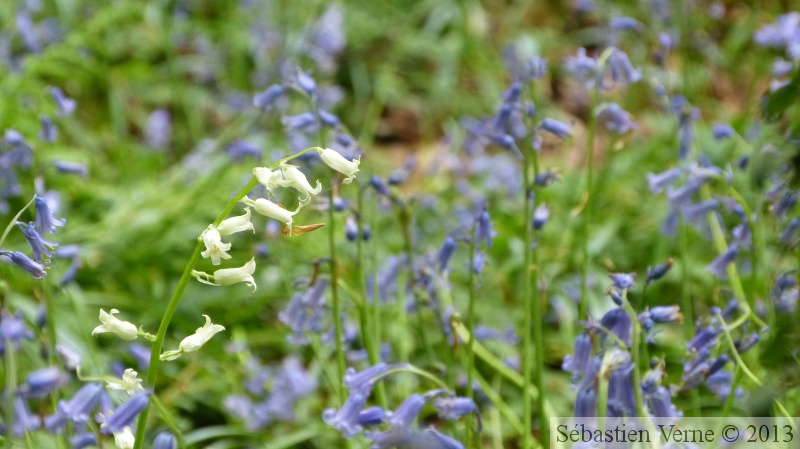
x=336, y=161
x=124, y=415
x=272, y=210
x=294, y=178
x=346, y=418
x=229, y=276
x=216, y=250
x=622, y=281
x=266, y=99
x=122, y=329
x=720, y=265
x=46, y=221
x=195, y=341
x=36, y=269
x=555, y=127
x=233, y=225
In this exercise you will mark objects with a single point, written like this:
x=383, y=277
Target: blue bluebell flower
x=351, y=228
x=453, y=408
x=615, y=119
x=443, y=441
x=781, y=34
x=46, y=221
x=581, y=355
x=158, y=131
x=719, y=266
x=346, y=418
x=697, y=212
x=586, y=403
x=37, y=270
x=787, y=235
x=27, y=31
x=71, y=168
x=380, y=187
x=781, y=67
x=720, y=383
x=68, y=356
x=555, y=127
x=682, y=196
x=77, y=408
x=44, y=381
x=49, y=131
x=363, y=381
x=306, y=121
x=82, y=440
x=266, y=99
x=622, y=281
x=238, y=150
x=305, y=311
x=660, y=404
x=40, y=246
x=666, y=314
x=124, y=415
x=618, y=323
x=582, y=68
x=66, y=105
x=327, y=118
x=372, y=416
x=24, y=420
x=621, y=394
x=387, y=278
x=705, y=338
x=784, y=204
x=722, y=131
x=540, y=216
x=658, y=182
x=407, y=412
x=620, y=69
x=484, y=232
x=546, y=178
x=445, y=253
x=164, y=440
x=141, y=354
x=657, y=272
x=306, y=82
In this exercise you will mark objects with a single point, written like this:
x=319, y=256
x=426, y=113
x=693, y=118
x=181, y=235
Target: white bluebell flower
x=236, y=224
x=336, y=161
x=129, y=383
x=195, y=341
x=124, y=439
x=122, y=329
x=293, y=177
x=216, y=250
x=272, y=210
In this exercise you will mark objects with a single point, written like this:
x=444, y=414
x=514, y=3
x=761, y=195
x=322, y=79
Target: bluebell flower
x=719, y=266
x=555, y=127
x=68, y=356
x=581, y=355
x=540, y=216
x=306, y=122
x=305, y=311
x=479, y=261
x=787, y=235
x=546, y=178
x=625, y=23
x=44, y=381
x=622, y=281
x=657, y=182
x=366, y=233
x=124, y=415
x=71, y=168
x=306, y=83
x=363, y=381
x=698, y=211
x=657, y=272
x=484, y=232
x=82, y=440
x=37, y=270
x=686, y=132
x=372, y=416
x=781, y=34
x=164, y=440
x=40, y=247
x=46, y=222
x=660, y=404
x=682, y=197
x=705, y=338
x=720, y=383
x=27, y=31
x=781, y=67
x=351, y=229
x=445, y=253
x=328, y=38
x=266, y=99
x=620, y=69
x=141, y=354
x=327, y=118
x=380, y=187
x=66, y=106
x=443, y=441
x=666, y=314
x=158, y=130
x=618, y=323
x=784, y=204
x=722, y=131
x=621, y=395
x=582, y=68
x=346, y=418
x=238, y=150
x=24, y=420
x=586, y=403
x=615, y=119
x=49, y=131
x=407, y=412
x=78, y=407
x=453, y=408
x=387, y=278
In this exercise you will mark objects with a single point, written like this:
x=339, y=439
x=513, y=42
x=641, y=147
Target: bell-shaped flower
x=271, y=179
x=215, y=248
x=294, y=178
x=339, y=163
x=233, y=225
x=129, y=382
x=193, y=342
x=272, y=210
x=123, y=329
x=124, y=439
x=229, y=276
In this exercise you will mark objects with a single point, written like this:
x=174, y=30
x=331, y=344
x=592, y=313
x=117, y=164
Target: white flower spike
x=229, y=276
x=129, y=382
x=338, y=162
x=272, y=210
x=195, y=341
x=296, y=179
x=236, y=224
x=123, y=329
x=215, y=248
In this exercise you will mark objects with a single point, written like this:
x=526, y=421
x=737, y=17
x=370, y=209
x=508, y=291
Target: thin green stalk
x=528, y=300
x=167, y=417
x=471, y=310
x=10, y=391
x=14, y=221
x=155, y=351
x=336, y=306
x=686, y=300
x=587, y=207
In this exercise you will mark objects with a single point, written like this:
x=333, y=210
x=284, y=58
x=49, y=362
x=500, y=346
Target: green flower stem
x=733, y=274
x=14, y=221
x=11, y=389
x=167, y=417
x=529, y=300
x=500, y=405
x=336, y=306
x=587, y=207
x=471, y=309
x=155, y=351
x=737, y=380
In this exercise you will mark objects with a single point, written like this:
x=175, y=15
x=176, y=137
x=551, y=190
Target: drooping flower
x=124, y=439
x=43, y=382
x=129, y=383
x=236, y=224
x=338, y=162
x=720, y=265
x=294, y=178
x=123, y=329
x=346, y=418
x=216, y=250
x=164, y=440
x=195, y=341
x=407, y=412
x=124, y=415
x=46, y=222
x=622, y=281
x=36, y=269
x=555, y=127
x=272, y=210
